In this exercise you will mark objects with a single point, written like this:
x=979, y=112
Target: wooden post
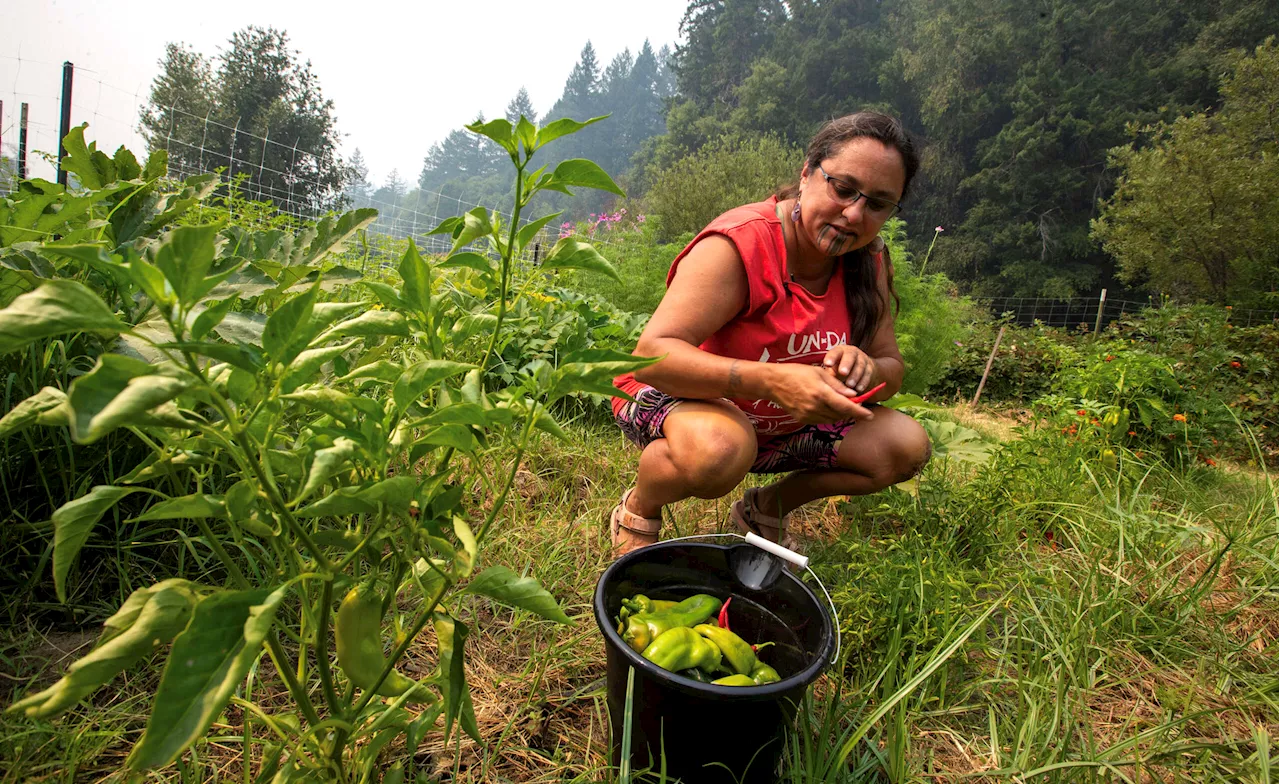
x=1097, y=323
x=987, y=370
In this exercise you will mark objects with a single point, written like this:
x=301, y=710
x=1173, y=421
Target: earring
x=795, y=212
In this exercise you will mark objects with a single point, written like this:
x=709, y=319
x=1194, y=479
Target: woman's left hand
x=852, y=366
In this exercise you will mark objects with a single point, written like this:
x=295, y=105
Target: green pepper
x=735, y=680
x=643, y=604
x=763, y=673
x=358, y=630
x=735, y=649
x=682, y=648
x=638, y=631
x=696, y=674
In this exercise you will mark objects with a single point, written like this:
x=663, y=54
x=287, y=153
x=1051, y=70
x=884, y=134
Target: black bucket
x=710, y=734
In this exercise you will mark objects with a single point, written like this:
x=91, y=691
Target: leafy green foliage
x=317, y=431
x=729, y=172
x=1185, y=218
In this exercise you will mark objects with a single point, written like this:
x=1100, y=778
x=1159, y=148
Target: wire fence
x=241, y=159
x=1087, y=313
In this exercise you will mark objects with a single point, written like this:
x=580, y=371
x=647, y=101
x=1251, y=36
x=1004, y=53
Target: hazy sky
x=401, y=75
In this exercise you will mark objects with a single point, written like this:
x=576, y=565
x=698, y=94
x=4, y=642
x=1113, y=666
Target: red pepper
x=865, y=396
x=723, y=620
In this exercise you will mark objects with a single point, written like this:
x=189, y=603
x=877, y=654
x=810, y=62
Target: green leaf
x=149, y=617
x=475, y=224
x=530, y=230
x=326, y=400
x=244, y=357
x=459, y=414
x=527, y=134
x=32, y=411
x=469, y=259
x=340, y=503
x=499, y=130
x=72, y=523
x=211, y=317
x=562, y=127
x=382, y=370
x=450, y=637
x=187, y=507
x=185, y=255
x=547, y=424
x=570, y=253
x=308, y=363
x=242, y=328
x=454, y=436
x=905, y=401
x=287, y=330
x=79, y=160
x=472, y=323
x=418, y=378
x=395, y=492
x=465, y=559
x=326, y=464
x=955, y=441
x=593, y=370
x=209, y=659
x=447, y=226
x=506, y=587
x=58, y=307
x=585, y=174
x=385, y=294
x=152, y=282
x=416, y=274
x=118, y=391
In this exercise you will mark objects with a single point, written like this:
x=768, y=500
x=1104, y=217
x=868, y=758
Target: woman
x=775, y=317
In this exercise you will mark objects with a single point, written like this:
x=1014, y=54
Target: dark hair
x=860, y=292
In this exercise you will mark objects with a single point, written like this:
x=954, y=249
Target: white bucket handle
x=773, y=548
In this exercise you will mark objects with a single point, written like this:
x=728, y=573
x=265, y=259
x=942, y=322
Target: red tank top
x=781, y=322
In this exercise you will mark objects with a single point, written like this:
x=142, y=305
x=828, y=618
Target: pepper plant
x=339, y=442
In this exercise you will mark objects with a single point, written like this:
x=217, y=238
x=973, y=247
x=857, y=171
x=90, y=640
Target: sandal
x=747, y=516
x=621, y=519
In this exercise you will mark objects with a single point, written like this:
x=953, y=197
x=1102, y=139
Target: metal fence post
x=22, y=143
x=1097, y=322
x=68, y=71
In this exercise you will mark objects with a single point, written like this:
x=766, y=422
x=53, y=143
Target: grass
x=1132, y=634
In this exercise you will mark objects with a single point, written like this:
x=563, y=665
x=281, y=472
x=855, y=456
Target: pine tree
x=584, y=80
x=268, y=120
x=521, y=106
x=359, y=189
x=181, y=99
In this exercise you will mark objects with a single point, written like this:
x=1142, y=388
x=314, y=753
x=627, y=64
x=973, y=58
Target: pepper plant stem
x=506, y=266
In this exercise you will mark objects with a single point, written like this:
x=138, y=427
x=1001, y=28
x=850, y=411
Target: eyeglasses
x=846, y=195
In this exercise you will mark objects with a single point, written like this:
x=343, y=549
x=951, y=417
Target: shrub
x=724, y=174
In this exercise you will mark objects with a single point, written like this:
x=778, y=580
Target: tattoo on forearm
x=735, y=378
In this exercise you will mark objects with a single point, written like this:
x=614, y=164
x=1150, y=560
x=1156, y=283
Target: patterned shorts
x=812, y=446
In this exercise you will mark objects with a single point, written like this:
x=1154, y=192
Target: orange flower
x=1228, y=307
x=1179, y=417
x=1209, y=461
x=1082, y=412
x=1236, y=364
x=1110, y=357
x=1132, y=433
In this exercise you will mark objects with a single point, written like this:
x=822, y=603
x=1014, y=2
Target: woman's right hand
x=813, y=395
